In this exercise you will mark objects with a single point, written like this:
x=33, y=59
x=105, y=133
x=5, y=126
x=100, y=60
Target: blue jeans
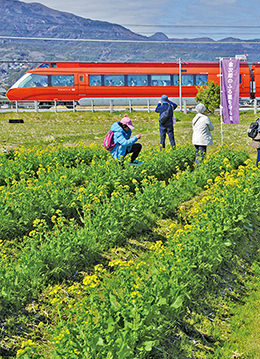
x=258, y=157
x=200, y=153
x=169, y=130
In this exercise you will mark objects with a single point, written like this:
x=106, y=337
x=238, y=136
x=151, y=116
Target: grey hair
x=200, y=108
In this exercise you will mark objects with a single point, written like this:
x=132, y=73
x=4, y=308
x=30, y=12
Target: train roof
x=74, y=64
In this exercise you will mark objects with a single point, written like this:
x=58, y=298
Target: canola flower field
x=65, y=212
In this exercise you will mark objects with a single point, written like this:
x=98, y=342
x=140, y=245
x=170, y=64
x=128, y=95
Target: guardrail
x=92, y=104
x=105, y=104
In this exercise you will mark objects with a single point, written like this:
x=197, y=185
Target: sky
x=177, y=19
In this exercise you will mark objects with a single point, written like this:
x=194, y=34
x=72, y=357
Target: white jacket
x=202, y=126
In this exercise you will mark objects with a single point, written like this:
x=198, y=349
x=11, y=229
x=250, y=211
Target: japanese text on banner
x=230, y=90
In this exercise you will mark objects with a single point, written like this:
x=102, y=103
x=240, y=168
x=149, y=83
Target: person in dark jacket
x=124, y=143
x=165, y=108
x=256, y=143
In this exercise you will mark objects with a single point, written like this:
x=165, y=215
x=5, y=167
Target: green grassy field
x=73, y=127
x=68, y=129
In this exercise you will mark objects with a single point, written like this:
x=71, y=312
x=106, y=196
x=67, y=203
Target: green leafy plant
x=209, y=95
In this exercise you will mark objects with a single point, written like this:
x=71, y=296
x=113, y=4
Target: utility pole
x=180, y=90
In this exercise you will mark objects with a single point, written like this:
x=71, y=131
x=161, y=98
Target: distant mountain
x=19, y=19
x=159, y=36
x=34, y=19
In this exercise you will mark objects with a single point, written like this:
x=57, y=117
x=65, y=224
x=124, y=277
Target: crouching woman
x=124, y=143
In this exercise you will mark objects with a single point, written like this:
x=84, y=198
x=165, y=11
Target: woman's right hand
x=139, y=135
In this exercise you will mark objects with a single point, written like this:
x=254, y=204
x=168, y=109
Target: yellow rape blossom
x=91, y=281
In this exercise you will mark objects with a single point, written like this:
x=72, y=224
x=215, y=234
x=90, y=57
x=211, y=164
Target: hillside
x=36, y=20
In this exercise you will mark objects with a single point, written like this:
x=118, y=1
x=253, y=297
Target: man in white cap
x=201, y=137
x=123, y=141
x=165, y=108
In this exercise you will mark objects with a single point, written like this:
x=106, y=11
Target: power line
x=177, y=27
x=21, y=62
x=194, y=26
x=213, y=42
x=51, y=23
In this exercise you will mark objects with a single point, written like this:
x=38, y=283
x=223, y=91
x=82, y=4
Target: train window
x=95, y=80
x=81, y=78
x=114, y=80
x=43, y=66
x=175, y=80
x=35, y=81
x=137, y=80
x=201, y=80
x=53, y=64
x=160, y=80
x=187, y=80
x=62, y=80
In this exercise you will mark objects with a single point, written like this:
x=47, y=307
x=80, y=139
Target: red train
x=65, y=82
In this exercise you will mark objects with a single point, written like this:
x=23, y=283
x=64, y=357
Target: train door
x=256, y=81
x=81, y=81
x=244, y=80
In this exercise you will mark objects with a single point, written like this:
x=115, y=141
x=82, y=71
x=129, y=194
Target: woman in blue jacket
x=124, y=143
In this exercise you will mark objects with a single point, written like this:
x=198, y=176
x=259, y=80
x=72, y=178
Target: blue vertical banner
x=230, y=90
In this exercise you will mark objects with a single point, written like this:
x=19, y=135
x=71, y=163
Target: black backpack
x=253, y=129
x=166, y=115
